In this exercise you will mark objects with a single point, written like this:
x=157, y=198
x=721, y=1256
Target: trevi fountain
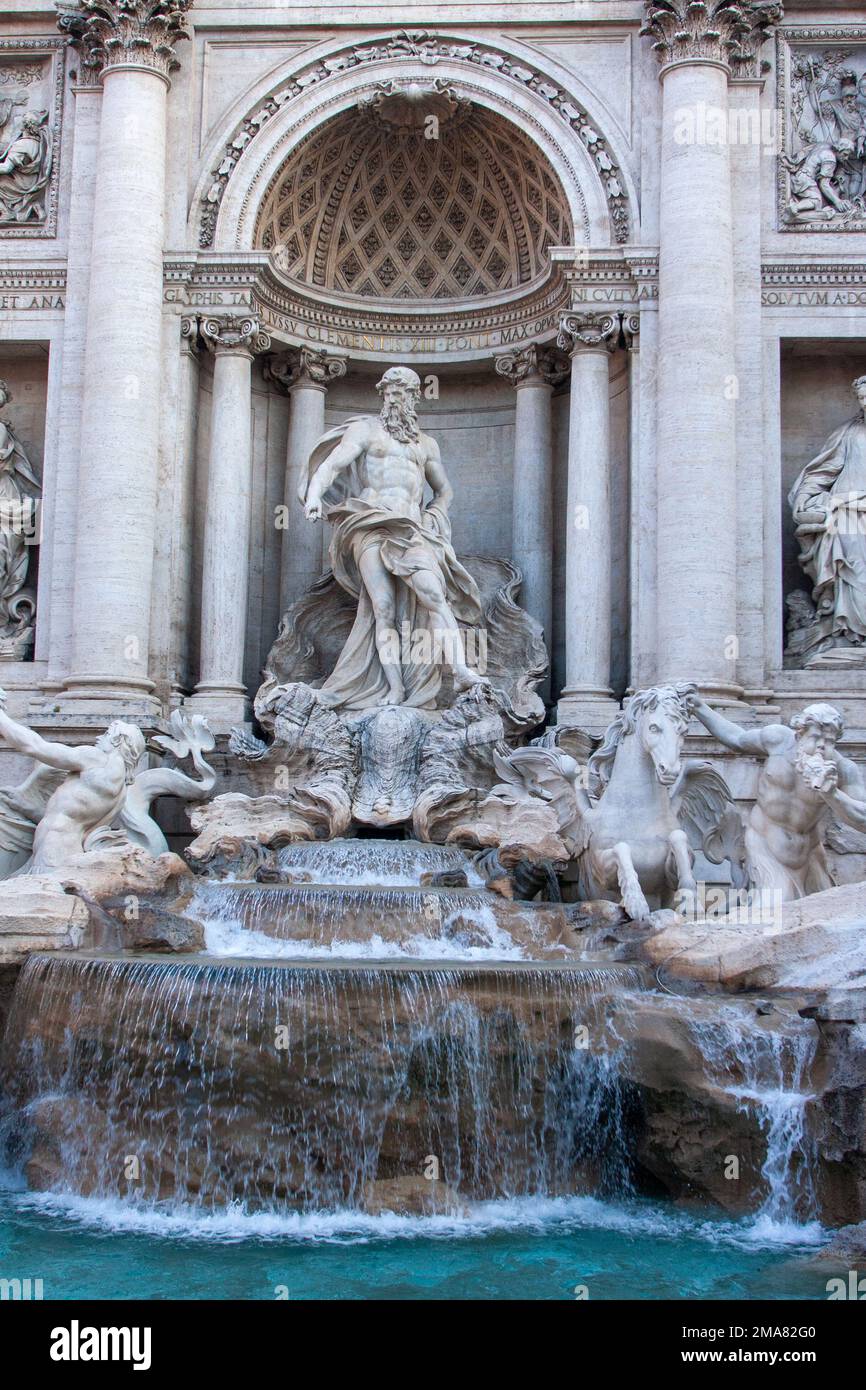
x=433, y=649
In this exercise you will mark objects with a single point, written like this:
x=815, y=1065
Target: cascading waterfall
x=766, y=1072
x=374, y=863
x=373, y=921
x=206, y=1083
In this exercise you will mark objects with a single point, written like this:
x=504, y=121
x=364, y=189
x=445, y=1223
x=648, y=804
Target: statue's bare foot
x=465, y=679
x=394, y=697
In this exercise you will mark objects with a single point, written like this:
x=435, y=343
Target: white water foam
x=529, y=1215
x=229, y=938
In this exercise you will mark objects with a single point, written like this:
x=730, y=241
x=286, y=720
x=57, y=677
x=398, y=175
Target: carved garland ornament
x=429, y=51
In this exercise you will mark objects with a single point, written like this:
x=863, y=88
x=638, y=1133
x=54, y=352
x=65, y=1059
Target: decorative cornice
x=723, y=31
x=233, y=334
x=125, y=33
x=533, y=363
x=588, y=333
x=813, y=284
x=305, y=367
x=428, y=50
x=246, y=283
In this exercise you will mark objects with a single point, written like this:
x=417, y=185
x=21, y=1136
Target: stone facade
x=587, y=226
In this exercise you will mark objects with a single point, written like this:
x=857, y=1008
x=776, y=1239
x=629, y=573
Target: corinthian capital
x=728, y=31
x=125, y=33
x=234, y=334
x=533, y=363
x=580, y=332
x=305, y=366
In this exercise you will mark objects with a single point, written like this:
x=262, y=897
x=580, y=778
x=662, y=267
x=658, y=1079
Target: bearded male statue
x=393, y=553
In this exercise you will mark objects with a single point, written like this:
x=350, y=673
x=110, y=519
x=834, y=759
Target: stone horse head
x=658, y=719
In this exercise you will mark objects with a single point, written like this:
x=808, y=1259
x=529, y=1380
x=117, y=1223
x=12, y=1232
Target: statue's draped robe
x=835, y=557
x=19, y=189
x=18, y=483
x=358, y=681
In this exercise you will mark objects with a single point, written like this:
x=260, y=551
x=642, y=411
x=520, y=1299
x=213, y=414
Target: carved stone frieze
x=827, y=284
x=125, y=33
x=295, y=314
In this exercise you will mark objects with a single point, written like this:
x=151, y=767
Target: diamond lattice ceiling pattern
x=366, y=210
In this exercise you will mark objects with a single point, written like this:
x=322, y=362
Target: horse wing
x=550, y=775
x=702, y=801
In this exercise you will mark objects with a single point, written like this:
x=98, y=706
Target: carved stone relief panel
x=822, y=100
x=31, y=108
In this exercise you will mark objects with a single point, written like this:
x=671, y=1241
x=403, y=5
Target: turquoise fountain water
x=273, y=1127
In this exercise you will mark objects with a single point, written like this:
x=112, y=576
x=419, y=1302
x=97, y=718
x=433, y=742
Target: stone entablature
x=295, y=315
x=826, y=284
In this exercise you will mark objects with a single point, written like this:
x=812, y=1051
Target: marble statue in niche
x=20, y=492
x=393, y=553
x=828, y=503
x=825, y=162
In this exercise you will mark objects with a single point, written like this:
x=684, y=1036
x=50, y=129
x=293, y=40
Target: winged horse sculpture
x=634, y=822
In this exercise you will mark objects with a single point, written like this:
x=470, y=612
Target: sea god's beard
x=400, y=420
x=811, y=767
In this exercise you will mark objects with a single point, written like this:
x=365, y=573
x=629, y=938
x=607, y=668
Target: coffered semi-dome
x=368, y=205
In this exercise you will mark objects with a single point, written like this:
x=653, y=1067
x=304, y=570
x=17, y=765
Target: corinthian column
x=698, y=45
x=221, y=692
x=129, y=45
x=306, y=374
x=533, y=372
x=587, y=698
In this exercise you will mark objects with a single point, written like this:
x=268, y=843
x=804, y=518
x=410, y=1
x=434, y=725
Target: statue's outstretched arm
x=846, y=809
x=26, y=741
x=755, y=741
x=845, y=793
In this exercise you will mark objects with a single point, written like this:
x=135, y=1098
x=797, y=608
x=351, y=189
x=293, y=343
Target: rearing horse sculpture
x=634, y=838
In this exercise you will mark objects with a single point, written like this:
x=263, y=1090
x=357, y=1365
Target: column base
x=591, y=708
x=223, y=706
x=103, y=698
